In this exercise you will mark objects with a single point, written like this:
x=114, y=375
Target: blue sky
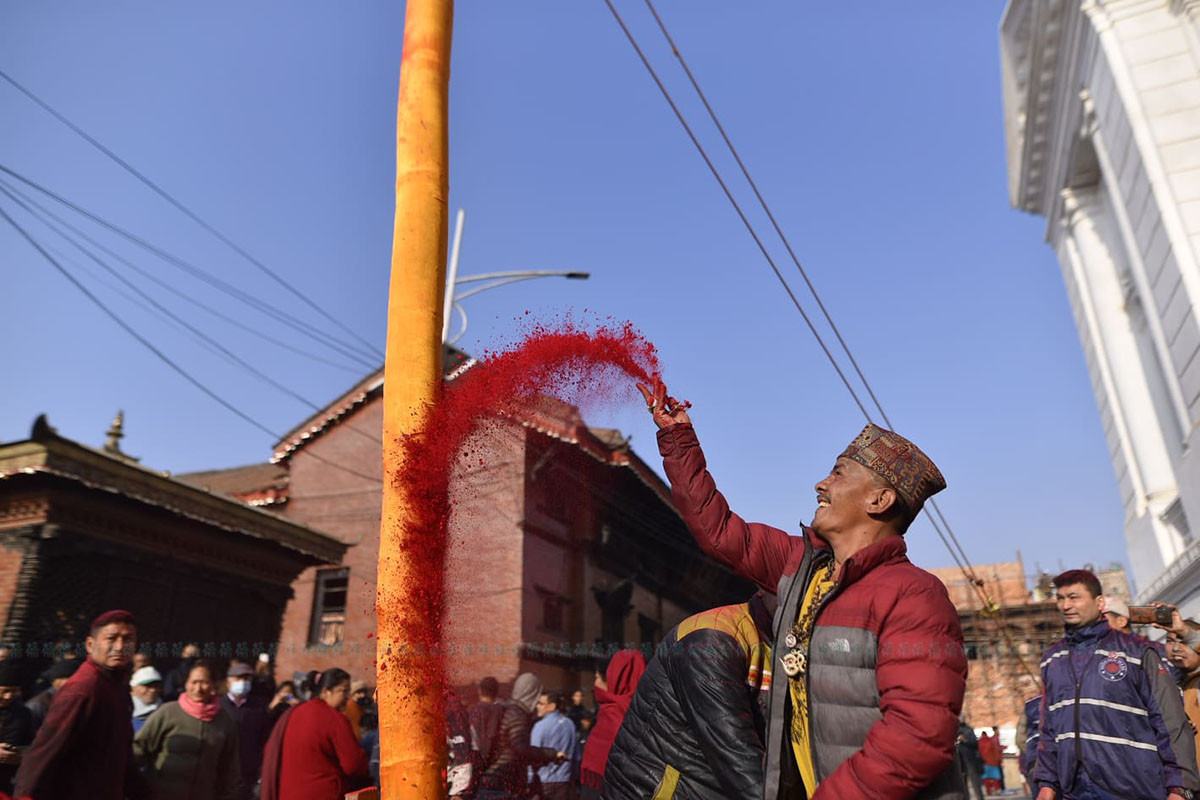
x=876, y=135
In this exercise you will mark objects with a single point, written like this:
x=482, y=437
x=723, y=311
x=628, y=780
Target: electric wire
x=953, y=539
x=762, y=202
x=115, y=317
x=766, y=208
x=757, y=240
x=164, y=194
x=736, y=206
x=200, y=274
x=150, y=276
x=196, y=332
x=949, y=539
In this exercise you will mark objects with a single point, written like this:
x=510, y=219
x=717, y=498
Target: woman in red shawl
x=312, y=753
x=992, y=754
x=613, y=694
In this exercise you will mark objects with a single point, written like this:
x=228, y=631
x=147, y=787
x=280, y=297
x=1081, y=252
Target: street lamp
x=495, y=278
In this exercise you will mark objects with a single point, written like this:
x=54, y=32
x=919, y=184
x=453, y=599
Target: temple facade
x=84, y=530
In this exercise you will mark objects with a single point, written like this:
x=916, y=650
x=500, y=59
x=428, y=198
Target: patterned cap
x=900, y=462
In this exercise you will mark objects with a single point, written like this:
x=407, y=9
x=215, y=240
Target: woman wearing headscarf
x=188, y=747
x=312, y=753
x=507, y=762
x=613, y=694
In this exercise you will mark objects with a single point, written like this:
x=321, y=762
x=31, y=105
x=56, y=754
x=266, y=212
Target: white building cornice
x=1038, y=44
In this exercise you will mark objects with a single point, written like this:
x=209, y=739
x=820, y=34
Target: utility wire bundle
x=351, y=353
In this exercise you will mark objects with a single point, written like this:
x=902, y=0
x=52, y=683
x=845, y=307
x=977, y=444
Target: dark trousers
x=556, y=791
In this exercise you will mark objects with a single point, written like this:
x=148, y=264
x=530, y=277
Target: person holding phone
x=1112, y=720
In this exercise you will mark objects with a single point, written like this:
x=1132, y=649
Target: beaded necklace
x=795, y=660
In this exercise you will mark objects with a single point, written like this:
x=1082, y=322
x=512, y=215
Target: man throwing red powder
x=868, y=655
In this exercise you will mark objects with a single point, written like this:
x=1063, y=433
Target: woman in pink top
x=312, y=753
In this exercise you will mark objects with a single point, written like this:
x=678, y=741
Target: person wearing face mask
x=249, y=714
x=189, y=747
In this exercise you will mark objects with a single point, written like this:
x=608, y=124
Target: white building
x=1102, y=112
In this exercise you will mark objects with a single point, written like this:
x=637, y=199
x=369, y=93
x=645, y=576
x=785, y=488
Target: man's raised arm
x=754, y=551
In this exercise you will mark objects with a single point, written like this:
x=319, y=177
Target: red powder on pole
x=570, y=363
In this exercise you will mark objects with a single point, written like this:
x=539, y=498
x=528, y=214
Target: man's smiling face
x=843, y=497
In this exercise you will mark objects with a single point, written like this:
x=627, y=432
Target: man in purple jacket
x=1113, y=724
x=83, y=748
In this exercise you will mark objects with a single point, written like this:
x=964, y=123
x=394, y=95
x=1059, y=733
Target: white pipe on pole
x=452, y=274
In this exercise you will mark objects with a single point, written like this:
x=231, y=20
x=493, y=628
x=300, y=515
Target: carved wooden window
x=329, y=606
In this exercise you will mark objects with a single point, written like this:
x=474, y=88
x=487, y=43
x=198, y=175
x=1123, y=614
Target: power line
x=200, y=274
x=196, y=332
x=150, y=276
x=163, y=193
x=949, y=539
x=115, y=317
x=736, y=207
x=766, y=208
x=758, y=241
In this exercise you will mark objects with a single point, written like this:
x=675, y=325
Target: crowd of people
x=112, y=726
x=842, y=677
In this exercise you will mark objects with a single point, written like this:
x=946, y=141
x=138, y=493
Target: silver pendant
x=790, y=640
x=793, y=663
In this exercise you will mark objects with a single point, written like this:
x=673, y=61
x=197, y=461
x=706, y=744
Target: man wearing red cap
x=869, y=667
x=83, y=747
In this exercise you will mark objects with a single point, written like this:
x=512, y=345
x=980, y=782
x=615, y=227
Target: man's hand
x=1178, y=626
x=1047, y=793
x=1174, y=796
x=9, y=754
x=665, y=409
x=560, y=757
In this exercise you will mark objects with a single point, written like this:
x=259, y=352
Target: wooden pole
x=411, y=721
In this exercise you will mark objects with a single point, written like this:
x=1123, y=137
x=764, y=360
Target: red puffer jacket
x=887, y=670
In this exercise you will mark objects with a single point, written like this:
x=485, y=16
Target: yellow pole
x=411, y=727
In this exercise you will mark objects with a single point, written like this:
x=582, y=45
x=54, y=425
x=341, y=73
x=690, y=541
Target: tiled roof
x=455, y=363
x=264, y=484
x=238, y=480
x=47, y=453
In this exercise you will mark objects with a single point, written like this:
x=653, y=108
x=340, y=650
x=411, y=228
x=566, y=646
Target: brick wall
x=484, y=570
x=348, y=507
x=10, y=567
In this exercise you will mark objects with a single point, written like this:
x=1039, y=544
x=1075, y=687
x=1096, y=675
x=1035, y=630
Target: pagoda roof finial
x=116, y=432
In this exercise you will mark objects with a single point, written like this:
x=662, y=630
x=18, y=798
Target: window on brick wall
x=329, y=606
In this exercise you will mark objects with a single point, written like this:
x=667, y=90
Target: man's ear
x=881, y=500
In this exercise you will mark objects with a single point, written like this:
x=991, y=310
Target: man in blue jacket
x=555, y=730
x=1113, y=725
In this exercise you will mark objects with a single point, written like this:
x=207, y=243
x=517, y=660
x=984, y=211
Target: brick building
x=83, y=530
x=563, y=538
